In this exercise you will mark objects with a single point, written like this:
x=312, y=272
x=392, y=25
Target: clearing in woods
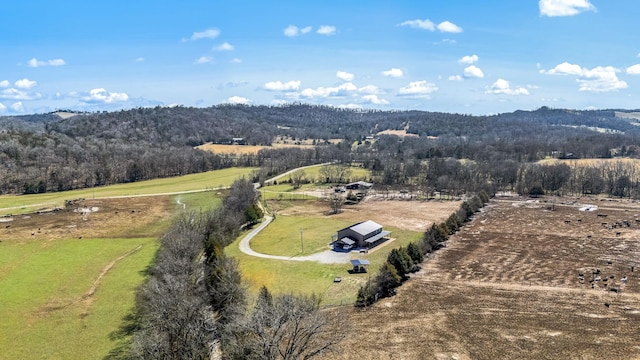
x=517, y=283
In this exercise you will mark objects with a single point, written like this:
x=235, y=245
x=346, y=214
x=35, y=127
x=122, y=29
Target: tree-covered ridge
x=41, y=153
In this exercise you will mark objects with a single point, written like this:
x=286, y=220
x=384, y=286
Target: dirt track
x=507, y=287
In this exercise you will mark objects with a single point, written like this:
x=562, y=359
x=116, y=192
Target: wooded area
x=452, y=152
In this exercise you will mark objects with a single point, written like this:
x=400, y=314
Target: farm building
x=359, y=185
x=366, y=234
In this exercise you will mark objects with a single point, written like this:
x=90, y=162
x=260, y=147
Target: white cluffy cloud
x=34, y=63
x=418, y=89
x=426, y=24
x=374, y=99
x=345, y=76
x=17, y=107
x=564, y=7
x=238, y=100
x=5, y=83
x=25, y=84
x=455, y=78
x=292, y=30
x=598, y=79
x=206, y=34
x=469, y=59
x=225, y=46
x=327, y=30
x=634, y=69
x=473, y=72
x=292, y=85
x=203, y=60
x=393, y=72
x=502, y=86
x=15, y=94
x=102, y=96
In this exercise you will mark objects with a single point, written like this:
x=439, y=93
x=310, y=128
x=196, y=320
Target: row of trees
x=405, y=260
x=194, y=304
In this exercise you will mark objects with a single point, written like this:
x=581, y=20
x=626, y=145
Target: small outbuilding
x=359, y=265
x=359, y=185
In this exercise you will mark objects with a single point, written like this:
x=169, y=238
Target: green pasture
x=200, y=201
x=12, y=204
x=282, y=237
x=43, y=307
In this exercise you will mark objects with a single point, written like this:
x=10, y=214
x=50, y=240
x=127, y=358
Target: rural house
x=366, y=234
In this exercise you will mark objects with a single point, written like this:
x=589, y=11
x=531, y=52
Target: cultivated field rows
x=508, y=287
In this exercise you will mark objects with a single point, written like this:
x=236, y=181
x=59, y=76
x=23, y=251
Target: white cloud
x=564, y=7
x=374, y=99
x=469, y=59
x=17, y=107
x=37, y=63
x=473, y=72
x=25, y=84
x=225, y=46
x=102, y=96
x=634, y=70
x=426, y=24
x=393, y=72
x=280, y=86
x=324, y=92
x=370, y=89
x=564, y=69
x=343, y=75
x=292, y=30
x=601, y=79
x=140, y=59
x=279, y=102
x=203, y=60
x=418, y=89
x=455, y=78
x=350, y=106
x=326, y=30
x=236, y=61
x=15, y=94
x=238, y=100
x=449, y=27
x=598, y=79
x=502, y=86
x=207, y=34
x=2, y=108
x=5, y=83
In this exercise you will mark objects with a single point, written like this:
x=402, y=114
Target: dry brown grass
x=253, y=149
x=397, y=133
x=406, y=215
x=114, y=218
x=507, y=287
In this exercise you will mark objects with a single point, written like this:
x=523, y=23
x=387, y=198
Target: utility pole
x=301, y=243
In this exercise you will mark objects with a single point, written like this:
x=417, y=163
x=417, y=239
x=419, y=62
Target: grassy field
x=12, y=204
x=47, y=306
x=282, y=237
x=68, y=278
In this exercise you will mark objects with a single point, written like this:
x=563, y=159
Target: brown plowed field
x=508, y=287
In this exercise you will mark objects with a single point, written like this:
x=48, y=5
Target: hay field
x=68, y=278
x=635, y=163
x=508, y=287
x=17, y=204
x=406, y=219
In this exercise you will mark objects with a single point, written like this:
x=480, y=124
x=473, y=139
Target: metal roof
x=377, y=237
x=366, y=227
x=347, y=241
x=359, y=262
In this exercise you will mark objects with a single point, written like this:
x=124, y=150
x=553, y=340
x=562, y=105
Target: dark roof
x=359, y=262
x=377, y=237
x=366, y=227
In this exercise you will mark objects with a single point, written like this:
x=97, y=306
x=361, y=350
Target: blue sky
x=479, y=57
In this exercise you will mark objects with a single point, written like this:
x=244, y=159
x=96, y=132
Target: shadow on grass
x=122, y=337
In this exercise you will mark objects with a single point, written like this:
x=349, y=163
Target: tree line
x=405, y=260
x=194, y=304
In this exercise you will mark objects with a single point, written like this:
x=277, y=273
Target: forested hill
x=46, y=152
x=259, y=125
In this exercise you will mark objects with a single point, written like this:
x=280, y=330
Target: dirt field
x=109, y=218
x=508, y=287
x=406, y=215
